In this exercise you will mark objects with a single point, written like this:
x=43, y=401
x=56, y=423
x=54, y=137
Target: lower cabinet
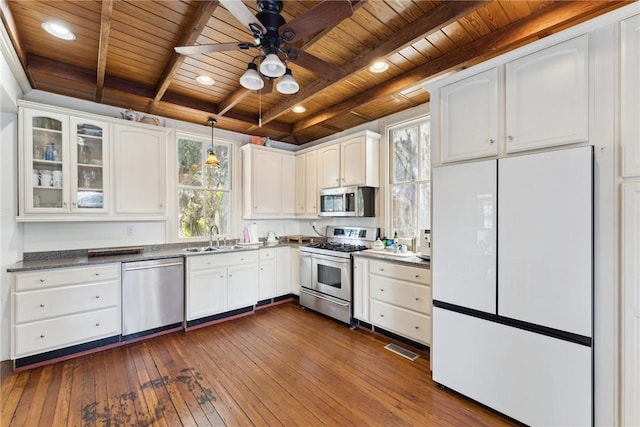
x=218, y=283
x=295, y=271
x=399, y=299
x=58, y=308
x=361, y=288
x=275, y=272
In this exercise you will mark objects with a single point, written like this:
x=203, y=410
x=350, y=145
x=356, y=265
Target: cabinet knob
x=381, y=290
x=382, y=269
x=97, y=274
x=261, y=269
x=97, y=323
x=417, y=327
x=510, y=137
x=41, y=280
x=491, y=141
x=97, y=296
x=41, y=335
x=382, y=315
x=417, y=276
x=73, y=204
x=64, y=204
x=160, y=204
x=222, y=277
x=42, y=305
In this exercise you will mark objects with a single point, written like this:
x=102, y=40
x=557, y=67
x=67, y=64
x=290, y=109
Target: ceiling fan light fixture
x=287, y=84
x=251, y=79
x=205, y=80
x=379, y=67
x=298, y=109
x=272, y=66
x=58, y=30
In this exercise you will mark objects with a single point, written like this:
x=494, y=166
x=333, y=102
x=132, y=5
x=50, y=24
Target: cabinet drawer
x=37, y=337
x=221, y=260
x=408, y=295
x=401, y=272
x=267, y=254
x=407, y=323
x=67, y=276
x=47, y=303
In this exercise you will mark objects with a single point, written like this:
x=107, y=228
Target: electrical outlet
x=131, y=230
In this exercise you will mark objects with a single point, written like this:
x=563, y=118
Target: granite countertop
x=407, y=260
x=79, y=258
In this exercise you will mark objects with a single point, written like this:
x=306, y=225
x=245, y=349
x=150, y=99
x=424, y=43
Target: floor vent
x=402, y=351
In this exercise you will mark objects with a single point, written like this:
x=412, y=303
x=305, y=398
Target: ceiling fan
x=272, y=34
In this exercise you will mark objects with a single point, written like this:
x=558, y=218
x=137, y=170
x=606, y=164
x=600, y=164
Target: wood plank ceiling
x=124, y=56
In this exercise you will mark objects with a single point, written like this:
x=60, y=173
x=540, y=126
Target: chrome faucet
x=211, y=235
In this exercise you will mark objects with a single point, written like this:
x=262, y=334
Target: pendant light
x=212, y=160
x=287, y=85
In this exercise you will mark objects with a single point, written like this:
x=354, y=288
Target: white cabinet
x=470, y=117
x=630, y=97
x=140, y=170
x=353, y=160
x=283, y=271
x=267, y=274
x=400, y=299
x=535, y=101
x=64, y=165
x=268, y=182
x=306, y=199
x=547, y=97
x=217, y=283
x=361, y=288
x=295, y=271
x=53, y=309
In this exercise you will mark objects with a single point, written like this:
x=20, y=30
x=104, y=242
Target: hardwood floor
x=282, y=366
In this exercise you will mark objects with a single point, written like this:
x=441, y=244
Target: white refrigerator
x=512, y=271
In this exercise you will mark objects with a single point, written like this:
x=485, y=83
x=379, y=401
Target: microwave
x=348, y=201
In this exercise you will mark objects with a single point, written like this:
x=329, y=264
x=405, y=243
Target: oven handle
x=333, y=259
x=319, y=295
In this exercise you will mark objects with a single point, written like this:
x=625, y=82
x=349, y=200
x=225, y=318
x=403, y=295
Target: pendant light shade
x=251, y=79
x=272, y=66
x=287, y=84
x=212, y=160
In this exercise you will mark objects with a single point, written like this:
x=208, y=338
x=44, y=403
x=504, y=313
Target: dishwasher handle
x=147, y=267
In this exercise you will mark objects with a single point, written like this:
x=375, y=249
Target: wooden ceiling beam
x=103, y=48
x=535, y=26
x=422, y=27
x=191, y=33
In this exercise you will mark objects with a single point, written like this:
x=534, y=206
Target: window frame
x=389, y=184
x=230, y=190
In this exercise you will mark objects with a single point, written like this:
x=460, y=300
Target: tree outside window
x=204, y=197
x=410, y=177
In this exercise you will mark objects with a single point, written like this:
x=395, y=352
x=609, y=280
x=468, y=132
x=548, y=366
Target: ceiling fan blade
x=327, y=14
x=243, y=14
x=318, y=66
x=208, y=48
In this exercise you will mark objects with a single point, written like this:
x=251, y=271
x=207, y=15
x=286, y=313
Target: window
x=410, y=189
x=204, y=193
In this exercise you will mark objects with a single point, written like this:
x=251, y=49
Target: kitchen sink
x=202, y=249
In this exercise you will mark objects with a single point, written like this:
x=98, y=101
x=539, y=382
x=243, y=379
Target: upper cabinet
x=268, y=182
x=550, y=86
x=65, y=164
x=630, y=96
x=76, y=167
x=306, y=193
x=503, y=109
x=353, y=160
x=470, y=117
x=140, y=170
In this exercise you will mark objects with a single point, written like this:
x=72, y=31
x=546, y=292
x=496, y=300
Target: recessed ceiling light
x=58, y=30
x=298, y=109
x=379, y=67
x=205, y=80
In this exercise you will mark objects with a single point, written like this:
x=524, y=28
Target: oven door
x=332, y=276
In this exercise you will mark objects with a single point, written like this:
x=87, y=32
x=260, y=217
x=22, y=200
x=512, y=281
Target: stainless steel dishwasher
x=152, y=296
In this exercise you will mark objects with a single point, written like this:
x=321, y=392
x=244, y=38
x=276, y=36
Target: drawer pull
x=382, y=315
x=41, y=335
x=41, y=280
x=98, y=324
x=42, y=305
x=417, y=298
x=381, y=290
x=417, y=327
x=417, y=276
x=97, y=296
x=222, y=277
x=97, y=274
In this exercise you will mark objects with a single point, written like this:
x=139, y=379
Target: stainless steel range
x=325, y=270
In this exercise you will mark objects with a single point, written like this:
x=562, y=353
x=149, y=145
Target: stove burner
x=339, y=247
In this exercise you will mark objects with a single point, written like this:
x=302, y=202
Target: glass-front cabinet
x=64, y=160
